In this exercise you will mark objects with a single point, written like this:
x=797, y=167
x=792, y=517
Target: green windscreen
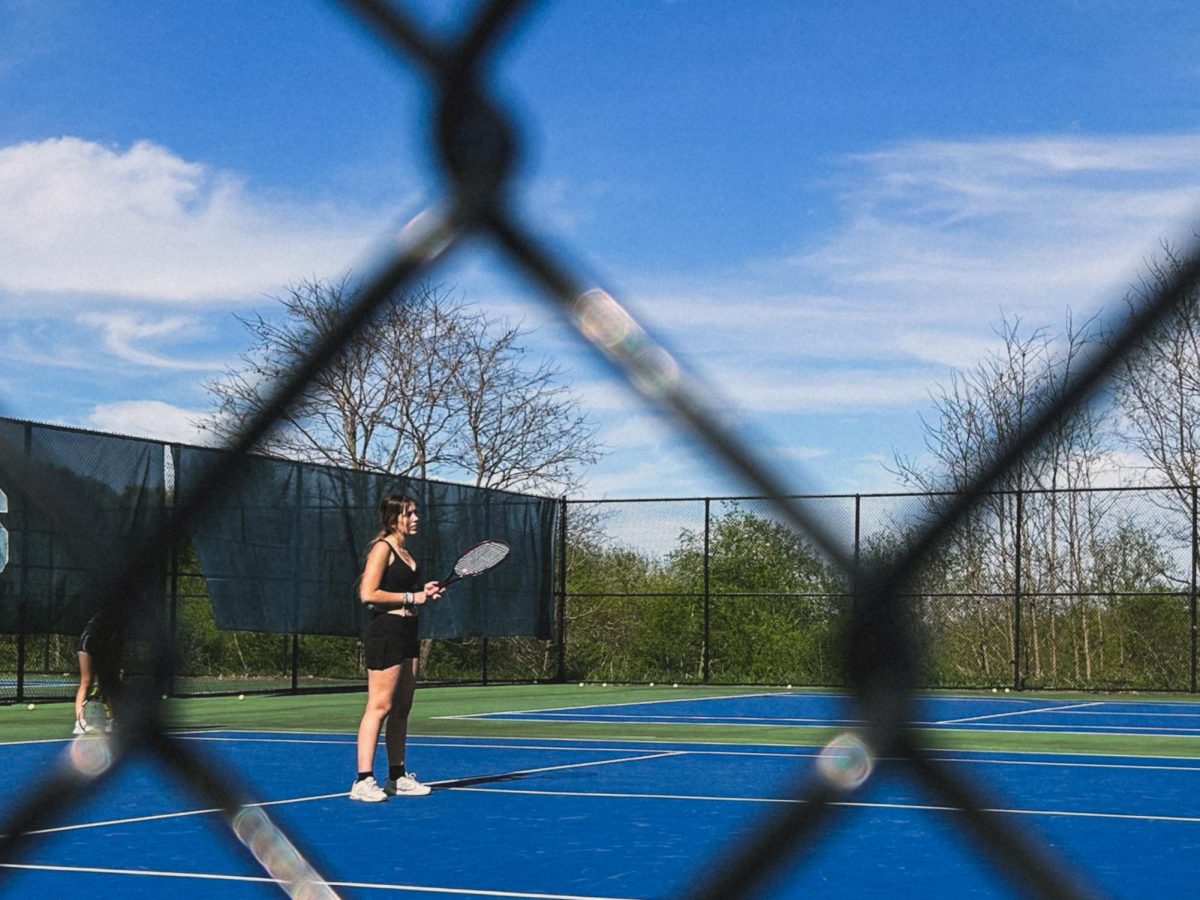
x=282, y=550
x=79, y=505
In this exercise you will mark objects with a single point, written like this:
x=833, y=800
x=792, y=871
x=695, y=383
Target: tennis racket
x=95, y=713
x=475, y=560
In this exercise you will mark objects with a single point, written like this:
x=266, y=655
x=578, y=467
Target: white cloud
x=800, y=389
x=144, y=223
x=149, y=419
x=1029, y=222
x=124, y=332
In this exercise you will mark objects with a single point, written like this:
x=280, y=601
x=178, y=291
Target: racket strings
x=481, y=558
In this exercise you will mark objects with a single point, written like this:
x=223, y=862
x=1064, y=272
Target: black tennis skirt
x=389, y=640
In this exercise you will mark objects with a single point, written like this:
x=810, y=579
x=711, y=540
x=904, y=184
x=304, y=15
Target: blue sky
x=822, y=208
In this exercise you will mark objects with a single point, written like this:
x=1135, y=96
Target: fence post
x=857, y=532
x=1019, y=523
x=173, y=562
x=561, y=611
x=705, y=650
x=22, y=606
x=1195, y=563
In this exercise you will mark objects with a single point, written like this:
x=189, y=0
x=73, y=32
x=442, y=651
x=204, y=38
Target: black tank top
x=398, y=577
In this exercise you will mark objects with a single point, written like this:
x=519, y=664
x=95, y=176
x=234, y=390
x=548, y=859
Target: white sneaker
x=367, y=790
x=406, y=786
x=80, y=727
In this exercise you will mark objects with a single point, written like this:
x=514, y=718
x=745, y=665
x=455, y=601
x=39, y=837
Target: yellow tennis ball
x=32, y=706
x=241, y=696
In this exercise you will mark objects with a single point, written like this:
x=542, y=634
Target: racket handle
x=446, y=582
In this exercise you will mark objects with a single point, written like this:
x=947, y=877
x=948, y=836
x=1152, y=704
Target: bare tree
x=1159, y=386
x=432, y=388
x=1040, y=511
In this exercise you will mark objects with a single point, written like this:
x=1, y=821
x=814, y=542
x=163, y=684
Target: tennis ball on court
x=1006, y=690
x=604, y=684
x=789, y=687
x=674, y=685
x=32, y=706
x=581, y=684
x=993, y=690
x=652, y=684
x=241, y=696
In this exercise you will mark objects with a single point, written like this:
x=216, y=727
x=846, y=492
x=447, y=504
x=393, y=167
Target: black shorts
x=389, y=640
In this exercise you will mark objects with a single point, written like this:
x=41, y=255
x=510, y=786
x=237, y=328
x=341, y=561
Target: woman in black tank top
x=392, y=589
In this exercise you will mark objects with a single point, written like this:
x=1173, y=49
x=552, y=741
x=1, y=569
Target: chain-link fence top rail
x=477, y=145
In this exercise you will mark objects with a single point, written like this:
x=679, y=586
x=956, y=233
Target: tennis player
x=89, y=681
x=391, y=587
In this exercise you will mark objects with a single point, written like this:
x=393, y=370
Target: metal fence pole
x=561, y=613
x=1019, y=525
x=857, y=530
x=295, y=662
x=173, y=564
x=22, y=606
x=1195, y=563
x=705, y=649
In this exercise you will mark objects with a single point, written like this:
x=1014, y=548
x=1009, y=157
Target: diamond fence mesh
x=883, y=634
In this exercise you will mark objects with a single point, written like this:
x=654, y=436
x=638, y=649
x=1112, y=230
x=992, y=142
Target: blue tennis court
x=557, y=818
x=1003, y=712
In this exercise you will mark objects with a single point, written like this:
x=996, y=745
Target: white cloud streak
x=143, y=223
x=150, y=419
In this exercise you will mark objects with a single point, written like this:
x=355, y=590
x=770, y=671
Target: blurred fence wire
x=477, y=144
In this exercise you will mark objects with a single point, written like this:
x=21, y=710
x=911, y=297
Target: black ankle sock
x=363, y=776
x=395, y=772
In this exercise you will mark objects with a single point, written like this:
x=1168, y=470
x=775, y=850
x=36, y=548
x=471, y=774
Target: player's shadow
x=474, y=780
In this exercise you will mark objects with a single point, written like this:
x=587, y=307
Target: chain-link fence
x=1046, y=589
x=881, y=650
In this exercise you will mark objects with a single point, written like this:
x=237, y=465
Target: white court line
x=200, y=812
x=1133, y=715
x=693, y=749
x=1113, y=730
x=1016, y=712
x=550, y=709
x=179, y=815
x=918, y=807
x=703, y=719
x=259, y=879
